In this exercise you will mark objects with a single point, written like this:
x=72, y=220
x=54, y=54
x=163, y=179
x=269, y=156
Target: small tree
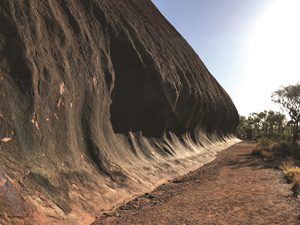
x=244, y=129
x=289, y=99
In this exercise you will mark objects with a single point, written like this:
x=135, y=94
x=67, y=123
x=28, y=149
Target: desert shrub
x=263, y=148
x=282, y=154
x=285, y=155
x=286, y=149
x=262, y=152
x=265, y=142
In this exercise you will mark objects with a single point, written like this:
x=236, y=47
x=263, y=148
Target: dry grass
x=292, y=174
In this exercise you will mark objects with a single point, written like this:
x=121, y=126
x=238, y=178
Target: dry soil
x=236, y=188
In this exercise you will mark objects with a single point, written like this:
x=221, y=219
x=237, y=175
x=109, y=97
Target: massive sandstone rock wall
x=100, y=100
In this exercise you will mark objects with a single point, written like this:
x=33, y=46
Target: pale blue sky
x=231, y=36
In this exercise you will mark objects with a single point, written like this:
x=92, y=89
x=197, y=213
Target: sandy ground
x=236, y=188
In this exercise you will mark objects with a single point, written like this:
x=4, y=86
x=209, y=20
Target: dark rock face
x=91, y=88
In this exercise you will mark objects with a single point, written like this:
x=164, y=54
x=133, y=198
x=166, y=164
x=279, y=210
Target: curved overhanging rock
x=100, y=100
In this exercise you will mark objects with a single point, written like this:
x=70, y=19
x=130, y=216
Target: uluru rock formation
x=100, y=100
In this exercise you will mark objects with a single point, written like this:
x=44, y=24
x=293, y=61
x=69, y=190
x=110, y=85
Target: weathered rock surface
x=100, y=100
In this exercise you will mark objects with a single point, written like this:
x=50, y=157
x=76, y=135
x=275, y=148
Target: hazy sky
x=252, y=47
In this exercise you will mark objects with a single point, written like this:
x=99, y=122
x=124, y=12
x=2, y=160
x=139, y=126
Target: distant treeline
x=265, y=124
x=275, y=125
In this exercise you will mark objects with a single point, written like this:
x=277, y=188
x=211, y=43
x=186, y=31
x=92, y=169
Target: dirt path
x=233, y=189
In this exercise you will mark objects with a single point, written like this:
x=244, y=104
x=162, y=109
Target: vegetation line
x=277, y=133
